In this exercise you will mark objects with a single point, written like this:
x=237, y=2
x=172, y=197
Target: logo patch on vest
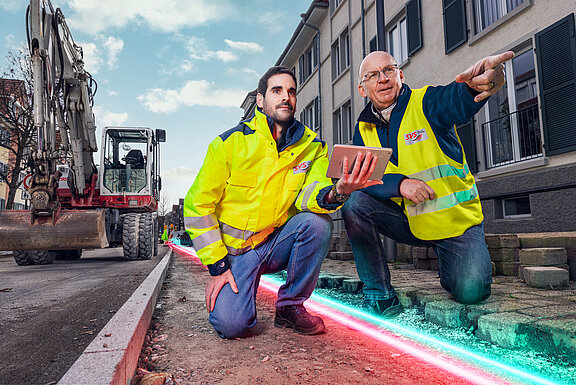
x=302, y=167
x=415, y=136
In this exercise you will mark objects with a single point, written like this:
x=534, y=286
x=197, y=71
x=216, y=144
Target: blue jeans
x=465, y=268
x=299, y=246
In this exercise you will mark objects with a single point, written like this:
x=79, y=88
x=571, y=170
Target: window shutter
x=414, y=26
x=556, y=58
x=468, y=139
x=455, y=26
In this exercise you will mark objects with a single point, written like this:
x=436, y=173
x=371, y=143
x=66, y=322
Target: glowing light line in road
x=359, y=320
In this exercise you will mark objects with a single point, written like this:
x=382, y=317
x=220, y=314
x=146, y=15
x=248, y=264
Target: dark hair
x=263, y=83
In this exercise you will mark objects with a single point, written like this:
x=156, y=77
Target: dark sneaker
x=385, y=308
x=297, y=318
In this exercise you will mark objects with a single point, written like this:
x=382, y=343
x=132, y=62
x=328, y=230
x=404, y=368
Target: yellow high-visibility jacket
x=456, y=206
x=245, y=188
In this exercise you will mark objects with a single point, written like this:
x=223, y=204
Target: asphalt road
x=49, y=314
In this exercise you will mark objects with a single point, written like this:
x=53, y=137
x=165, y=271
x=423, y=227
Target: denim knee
x=471, y=291
x=320, y=226
x=231, y=328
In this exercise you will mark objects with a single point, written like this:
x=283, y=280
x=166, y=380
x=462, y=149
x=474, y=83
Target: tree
x=17, y=133
x=163, y=204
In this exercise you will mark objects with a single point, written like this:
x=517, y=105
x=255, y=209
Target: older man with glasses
x=428, y=196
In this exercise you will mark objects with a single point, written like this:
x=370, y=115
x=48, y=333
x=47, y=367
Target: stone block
x=571, y=263
x=502, y=240
x=323, y=281
x=522, y=267
x=419, y=253
x=431, y=253
x=343, y=234
x=474, y=312
x=352, y=285
x=507, y=268
x=544, y=256
x=341, y=255
x=343, y=241
x=504, y=254
x=546, y=277
x=508, y=330
x=560, y=239
x=403, y=252
x=446, y=313
x=343, y=247
x=493, y=268
x=558, y=337
x=434, y=264
x=422, y=264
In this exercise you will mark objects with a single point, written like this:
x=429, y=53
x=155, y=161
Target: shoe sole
x=282, y=323
x=392, y=311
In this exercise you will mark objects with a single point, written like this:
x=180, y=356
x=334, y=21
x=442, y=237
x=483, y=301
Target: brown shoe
x=297, y=318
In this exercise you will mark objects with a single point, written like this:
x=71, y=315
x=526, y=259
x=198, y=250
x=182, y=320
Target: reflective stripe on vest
x=306, y=195
x=204, y=222
x=206, y=239
x=244, y=240
x=442, y=203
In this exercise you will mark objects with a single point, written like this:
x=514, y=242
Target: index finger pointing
x=496, y=60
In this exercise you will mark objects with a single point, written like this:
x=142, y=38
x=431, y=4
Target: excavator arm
x=66, y=134
x=63, y=100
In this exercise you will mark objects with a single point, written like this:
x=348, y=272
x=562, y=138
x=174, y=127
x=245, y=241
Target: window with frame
x=516, y=207
x=3, y=170
x=486, y=12
x=398, y=41
x=512, y=131
x=340, y=54
x=4, y=137
x=342, y=124
x=308, y=61
x=334, y=4
x=373, y=44
x=310, y=117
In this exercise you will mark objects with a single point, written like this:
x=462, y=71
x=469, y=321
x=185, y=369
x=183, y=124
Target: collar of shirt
x=289, y=137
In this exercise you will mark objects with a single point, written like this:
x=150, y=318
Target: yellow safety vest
x=456, y=206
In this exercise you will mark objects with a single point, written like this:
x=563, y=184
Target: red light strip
x=448, y=364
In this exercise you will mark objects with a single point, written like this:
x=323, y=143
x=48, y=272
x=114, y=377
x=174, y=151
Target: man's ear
x=259, y=100
x=362, y=91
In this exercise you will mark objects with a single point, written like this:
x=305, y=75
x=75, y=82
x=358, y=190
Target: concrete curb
x=112, y=356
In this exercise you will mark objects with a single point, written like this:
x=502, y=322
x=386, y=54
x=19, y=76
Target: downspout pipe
x=319, y=66
x=363, y=30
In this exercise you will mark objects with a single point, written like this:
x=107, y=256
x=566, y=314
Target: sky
x=181, y=65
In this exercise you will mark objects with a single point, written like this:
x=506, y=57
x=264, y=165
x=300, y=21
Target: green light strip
x=472, y=357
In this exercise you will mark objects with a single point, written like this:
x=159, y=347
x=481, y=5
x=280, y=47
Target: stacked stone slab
x=544, y=267
x=566, y=240
x=424, y=258
x=340, y=248
x=504, y=253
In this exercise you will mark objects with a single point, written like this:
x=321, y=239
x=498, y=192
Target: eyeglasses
x=374, y=76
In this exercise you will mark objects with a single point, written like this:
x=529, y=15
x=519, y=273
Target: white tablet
x=342, y=151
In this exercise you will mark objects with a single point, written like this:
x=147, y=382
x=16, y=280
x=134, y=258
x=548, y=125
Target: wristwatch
x=340, y=198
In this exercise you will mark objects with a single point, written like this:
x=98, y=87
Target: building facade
x=521, y=146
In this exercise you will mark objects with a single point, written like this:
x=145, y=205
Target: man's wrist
x=340, y=198
x=219, y=267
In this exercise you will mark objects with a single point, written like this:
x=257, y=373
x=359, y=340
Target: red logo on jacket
x=302, y=167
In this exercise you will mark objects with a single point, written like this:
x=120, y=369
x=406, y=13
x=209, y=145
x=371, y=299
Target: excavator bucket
x=70, y=229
